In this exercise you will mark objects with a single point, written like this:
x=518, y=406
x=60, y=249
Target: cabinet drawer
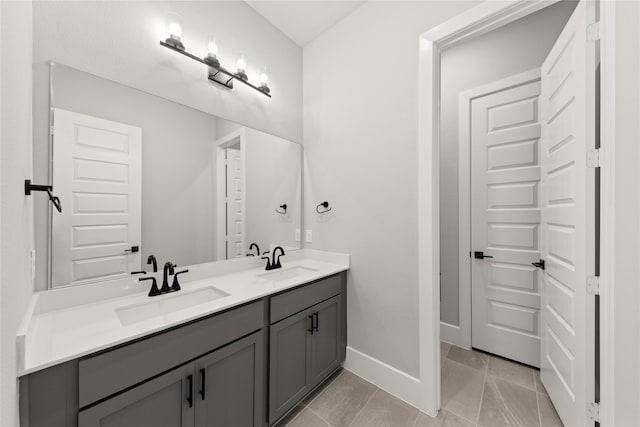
x=109, y=372
x=291, y=302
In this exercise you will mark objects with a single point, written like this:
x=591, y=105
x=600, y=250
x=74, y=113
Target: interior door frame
x=461, y=335
x=232, y=138
x=479, y=20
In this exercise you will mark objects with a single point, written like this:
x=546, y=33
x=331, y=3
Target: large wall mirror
x=139, y=175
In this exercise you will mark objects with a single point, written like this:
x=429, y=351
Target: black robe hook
x=29, y=187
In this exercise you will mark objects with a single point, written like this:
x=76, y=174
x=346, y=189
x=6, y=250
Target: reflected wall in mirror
x=139, y=175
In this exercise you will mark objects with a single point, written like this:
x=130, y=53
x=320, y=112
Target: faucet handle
x=269, y=267
x=154, y=291
x=176, y=286
x=277, y=263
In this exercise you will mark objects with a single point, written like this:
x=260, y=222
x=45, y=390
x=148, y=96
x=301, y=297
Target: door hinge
x=593, y=411
x=593, y=31
x=593, y=285
x=593, y=158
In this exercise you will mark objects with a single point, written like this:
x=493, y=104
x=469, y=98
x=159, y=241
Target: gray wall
x=16, y=210
x=270, y=184
x=360, y=142
x=512, y=49
x=621, y=298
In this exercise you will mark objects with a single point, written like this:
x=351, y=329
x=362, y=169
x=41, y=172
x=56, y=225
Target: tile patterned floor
x=478, y=390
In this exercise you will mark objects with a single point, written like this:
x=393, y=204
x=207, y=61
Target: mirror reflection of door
x=231, y=230
x=235, y=205
x=97, y=175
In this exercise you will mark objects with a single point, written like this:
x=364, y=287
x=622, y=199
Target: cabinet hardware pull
x=190, y=391
x=315, y=316
x=203, y=372
x=311, y=318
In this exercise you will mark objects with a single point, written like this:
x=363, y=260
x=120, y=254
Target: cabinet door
x=229, y=386
x=289, y=364
x=165, y=401
x=325, y=350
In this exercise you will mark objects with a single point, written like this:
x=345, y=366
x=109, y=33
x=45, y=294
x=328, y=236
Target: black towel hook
x=284, y=209
x=29, y=187
x=326, y=207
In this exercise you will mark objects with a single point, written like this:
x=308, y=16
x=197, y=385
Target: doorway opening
x=522, y=200
x=230, y=154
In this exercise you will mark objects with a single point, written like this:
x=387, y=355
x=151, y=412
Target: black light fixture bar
x=214, y=77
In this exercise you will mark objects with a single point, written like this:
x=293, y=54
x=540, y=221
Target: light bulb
x=241, y=64
x=212, y=54
x=212, y=48
x=264, y=80
x=175, y=30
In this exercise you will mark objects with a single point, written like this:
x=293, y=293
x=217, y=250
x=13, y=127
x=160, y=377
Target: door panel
x=97, y=176
x=568, y=221
x=161, y=401
x=505, y=211
x=289, y=363
x=325, y=353
x=235, y=204
x=229, y=385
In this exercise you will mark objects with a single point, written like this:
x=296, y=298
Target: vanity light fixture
x=174, y=32
x=217, y=73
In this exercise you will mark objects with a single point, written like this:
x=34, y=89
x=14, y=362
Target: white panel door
x=97, y=175
x=235, y=204
x=505, y=218
x=568, y=219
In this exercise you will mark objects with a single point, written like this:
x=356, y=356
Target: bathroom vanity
x=155, y=180
x=244, y=350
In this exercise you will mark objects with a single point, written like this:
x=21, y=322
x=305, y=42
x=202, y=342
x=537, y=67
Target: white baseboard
x=452, y=334
x=393, y=381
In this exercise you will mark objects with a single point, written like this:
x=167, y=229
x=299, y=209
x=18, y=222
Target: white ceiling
x=302, y=20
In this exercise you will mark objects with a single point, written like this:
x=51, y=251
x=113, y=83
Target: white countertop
x=64, y=324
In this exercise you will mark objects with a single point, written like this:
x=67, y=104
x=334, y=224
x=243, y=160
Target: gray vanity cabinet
x=221, y=389
x=162, y=401
x=211, y=372
x=290, y=363
x=307, y=346
x=229, y=385
x=325, y=348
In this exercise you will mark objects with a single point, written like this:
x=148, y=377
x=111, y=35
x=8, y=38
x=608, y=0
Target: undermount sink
x=286, y=273
x=165, y=304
